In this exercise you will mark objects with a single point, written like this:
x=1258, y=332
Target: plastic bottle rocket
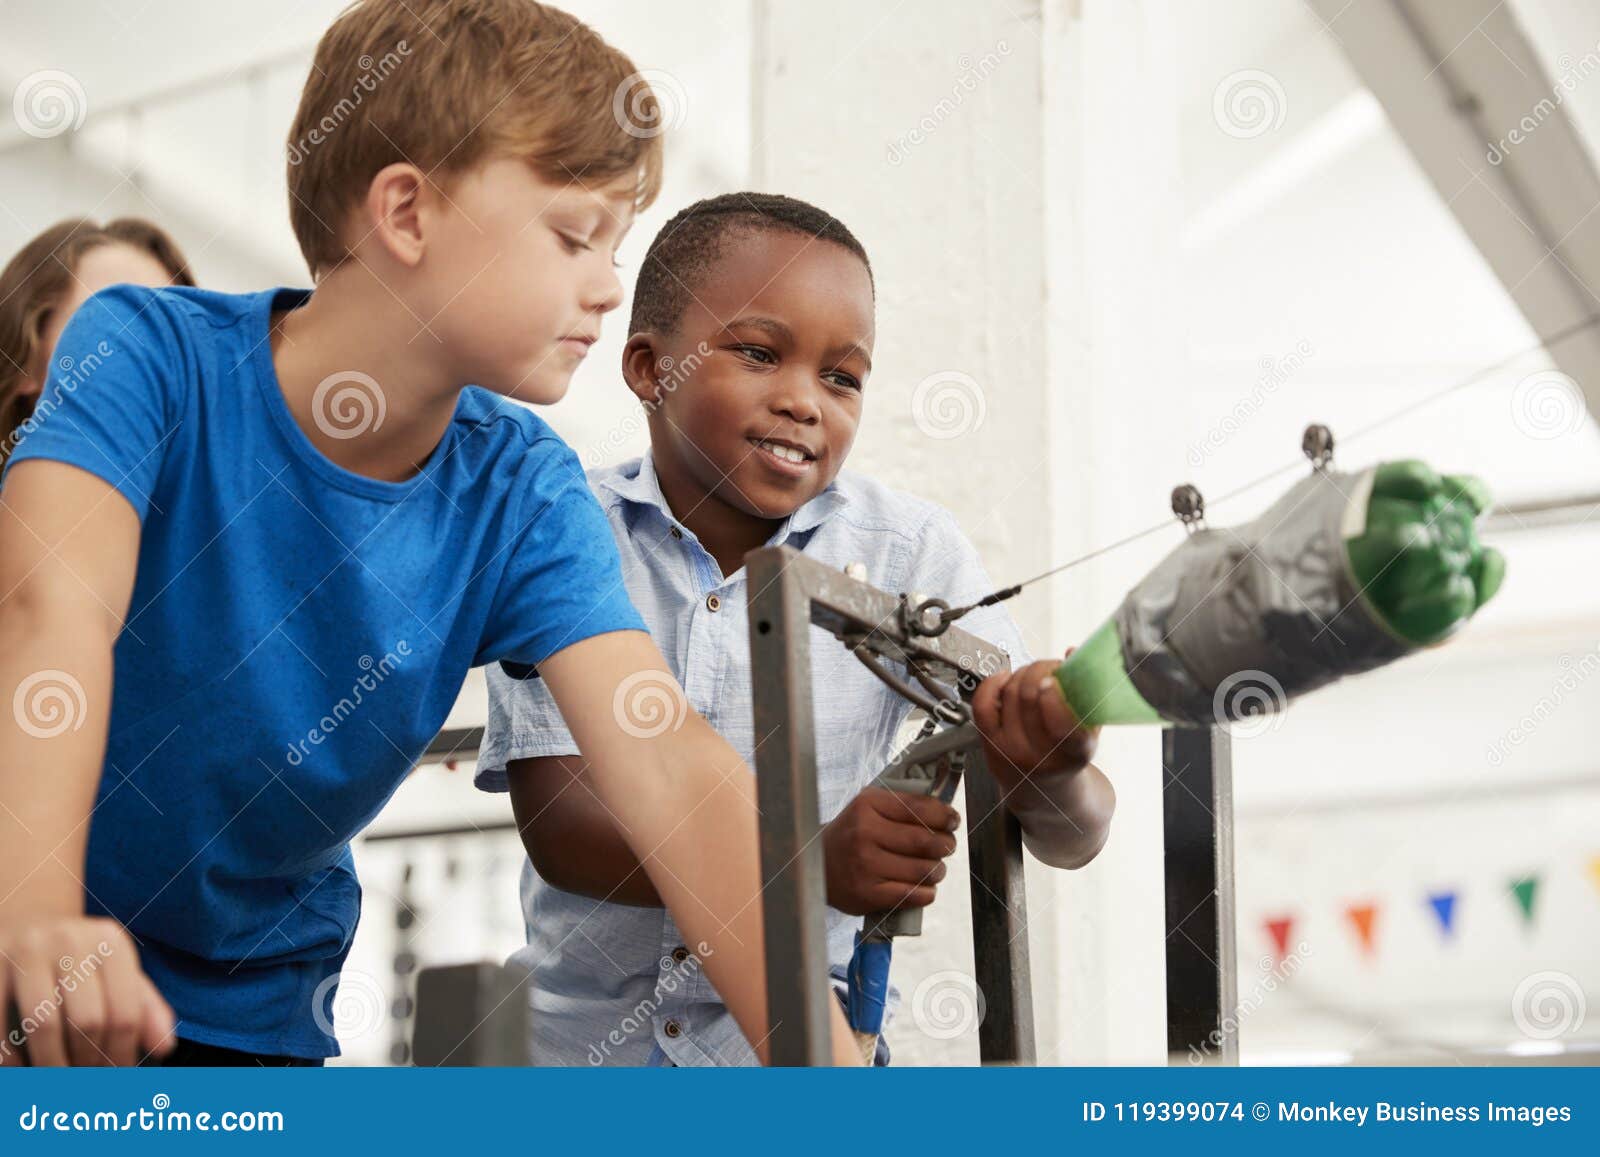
x=1344, y=573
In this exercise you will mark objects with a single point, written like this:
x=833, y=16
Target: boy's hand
x=886, y=850
x=78, y=995
x=1030, y=733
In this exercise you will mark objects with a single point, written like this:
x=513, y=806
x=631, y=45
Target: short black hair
x=690, y=245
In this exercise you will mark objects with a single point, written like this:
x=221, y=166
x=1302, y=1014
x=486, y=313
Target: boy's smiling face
x=762, y=395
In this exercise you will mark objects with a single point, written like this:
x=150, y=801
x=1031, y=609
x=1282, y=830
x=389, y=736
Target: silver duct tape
x=1241, y=619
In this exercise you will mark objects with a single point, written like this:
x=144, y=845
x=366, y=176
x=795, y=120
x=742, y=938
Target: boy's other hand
x=886, y=850
x=72, y=993
x=1029, y=731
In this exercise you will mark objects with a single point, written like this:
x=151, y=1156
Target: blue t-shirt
x=297, y=635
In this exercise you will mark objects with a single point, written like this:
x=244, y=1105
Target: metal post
x=1202, y=955
x=793, y=887
x=999, y=924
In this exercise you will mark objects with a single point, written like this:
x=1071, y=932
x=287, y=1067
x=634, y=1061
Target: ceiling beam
x=1456, y=77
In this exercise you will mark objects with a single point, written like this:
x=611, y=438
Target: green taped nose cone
x=1419, y=563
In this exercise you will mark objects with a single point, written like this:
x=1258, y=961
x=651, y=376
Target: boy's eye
x=755, y=353
x=840, y=378
x=571, y=244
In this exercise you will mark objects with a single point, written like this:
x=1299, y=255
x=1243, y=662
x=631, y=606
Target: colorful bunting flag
x=1278, y=928
x=1526, y=889
x=1363, y=916
x=1444, y=907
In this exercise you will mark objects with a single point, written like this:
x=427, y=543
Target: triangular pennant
x=1526, y=889
x=1444, y=907
x=1362, y=916
x=1278, y=928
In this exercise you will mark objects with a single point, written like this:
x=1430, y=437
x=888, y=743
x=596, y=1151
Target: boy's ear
x=394, y=210
x=641, y=368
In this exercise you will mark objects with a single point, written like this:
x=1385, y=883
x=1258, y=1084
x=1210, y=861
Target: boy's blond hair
x=445, y=84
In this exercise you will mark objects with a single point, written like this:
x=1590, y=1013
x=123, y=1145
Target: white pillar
x=1009, y=167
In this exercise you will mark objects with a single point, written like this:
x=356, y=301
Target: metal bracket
x=791, y=594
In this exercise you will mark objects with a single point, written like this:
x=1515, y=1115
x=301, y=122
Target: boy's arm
x=686, y=804
x=69, y=548
x=571, y=837
x=885, y=850
x=1040, y=757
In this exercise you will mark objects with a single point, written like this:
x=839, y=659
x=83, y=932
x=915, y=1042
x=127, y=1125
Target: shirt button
x=676, y=533
x=680, y=954
x=673, y=1029
x=713, y=603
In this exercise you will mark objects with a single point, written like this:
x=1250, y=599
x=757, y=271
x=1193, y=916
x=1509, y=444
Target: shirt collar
x=644, y=489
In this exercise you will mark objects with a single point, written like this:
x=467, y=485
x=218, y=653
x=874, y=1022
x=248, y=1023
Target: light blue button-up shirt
x=615, y=984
